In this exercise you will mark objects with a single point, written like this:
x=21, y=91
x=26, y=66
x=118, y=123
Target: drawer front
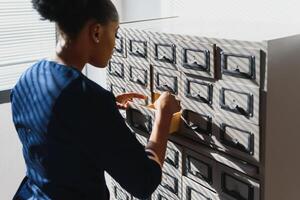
x=166, y=80
x=196, y=124
x=140, y=118
x=198, y=90
x=194, y=191
x=238, y=138
x=239, y=102
x=138, y=48
x=200, y=169
x=173, y=158
x=236, y=186
x=197, y=94
x=120, y=46
x=164, y=52
x=170, y=183
x=116, y=89
x=138, y=73
x=162, y=194
x=138, y=76
x=197, y=58
x=240, y=64
x=116, y=69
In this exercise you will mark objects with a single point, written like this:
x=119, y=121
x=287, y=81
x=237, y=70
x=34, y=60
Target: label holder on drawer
x=236, y=72
x=197, y=174
x=165, y=87
x=235, y=144
x=136, y=79
x=198, y=96
x=116, y=90
x=120, y=40
x=175, y=162
x=167, y=186
x=137, y=52
x=237, y=109
x=195, y=65
x=163, y=58
x=194, y=127
x=235, y=194
x=148, y=120
x=115, y=72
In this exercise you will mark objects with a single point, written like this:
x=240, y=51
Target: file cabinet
x=238, y=91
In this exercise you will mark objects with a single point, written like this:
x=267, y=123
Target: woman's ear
x=96, y=31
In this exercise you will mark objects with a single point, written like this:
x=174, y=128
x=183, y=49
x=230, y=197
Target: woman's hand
x=166, y=104
x=122, y=100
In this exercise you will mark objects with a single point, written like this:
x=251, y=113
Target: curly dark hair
x=71, y=15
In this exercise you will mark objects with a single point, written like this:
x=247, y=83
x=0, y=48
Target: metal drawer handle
x=137, y=80
x=165, y=59
x=165, y=87
x=239, y=146
x=117, y=73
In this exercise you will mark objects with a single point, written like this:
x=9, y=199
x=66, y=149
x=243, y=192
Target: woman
x=70, y=127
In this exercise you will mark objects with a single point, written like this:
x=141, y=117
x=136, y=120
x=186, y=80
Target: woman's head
x=95, y=21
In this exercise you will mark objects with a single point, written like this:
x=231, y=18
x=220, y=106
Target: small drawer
x=197, y=58
x=171, y=183
x=119, y=193
x=200, y=169
x=120, y=46
x=237, y=186
x=173, y=157
x=162, y=194
x=116, y=69
x=238, y=102
x=140, y=118
x=138, y=48
x=238, y=138
x=197, y=94
x=166, y=80
x=196, y=124
x=138, y=74
x=195, y=191
x=198, y=90
x=164, y=52
x=116, y=89
x=240, y=64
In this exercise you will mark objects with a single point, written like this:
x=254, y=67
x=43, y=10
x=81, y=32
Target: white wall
x=12, y=166
x=134, y=10
x=282, y=11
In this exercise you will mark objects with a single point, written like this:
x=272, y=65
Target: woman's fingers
x=124, y=99
x=132, y=95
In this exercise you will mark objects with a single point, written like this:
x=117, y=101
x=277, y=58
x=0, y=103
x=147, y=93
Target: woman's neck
x=71, y=53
